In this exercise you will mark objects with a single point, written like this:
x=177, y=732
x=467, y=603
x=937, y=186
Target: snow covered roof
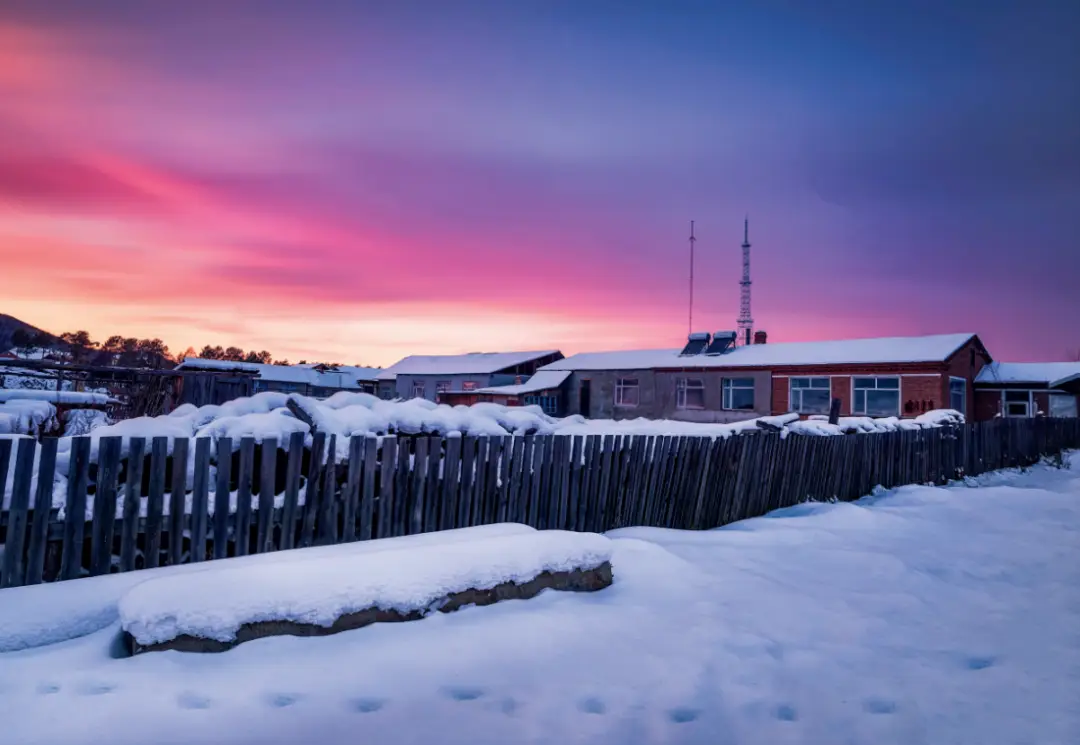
x=343, y=376
x=543, y=380
x=899, y=349
x=1028, y=372
x=476, y=363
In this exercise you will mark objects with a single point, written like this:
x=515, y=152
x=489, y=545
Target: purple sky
x=364, y=180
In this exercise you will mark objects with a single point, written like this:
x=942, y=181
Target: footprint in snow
x=683, y=714
x=592, y=706
x=879, y=706
x=464, y=693
x=980, y=663
x=366, y=705
x=786, y=713
x=45, y=689
x=282, y=700
x=189, y=700
x=95, y=688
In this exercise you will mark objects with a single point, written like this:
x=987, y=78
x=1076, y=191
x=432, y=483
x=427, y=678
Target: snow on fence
x=134, y=506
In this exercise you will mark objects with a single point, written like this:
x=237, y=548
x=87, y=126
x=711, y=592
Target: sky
x=358, y=181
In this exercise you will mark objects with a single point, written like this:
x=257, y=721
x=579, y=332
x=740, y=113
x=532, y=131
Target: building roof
x=543, y=380
x=899, y=349
x=343, y=376
x=1048, y=373
x=474, y=363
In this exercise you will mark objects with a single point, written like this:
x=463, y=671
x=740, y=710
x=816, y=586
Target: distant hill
x=9, y=325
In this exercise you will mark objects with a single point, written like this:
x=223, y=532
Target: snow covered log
x=216, y=609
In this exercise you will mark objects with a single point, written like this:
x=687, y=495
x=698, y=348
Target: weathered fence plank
x=326, y=517
x=39, y=527
x=129, y=529
x=367, y=499
x=155, y=502
x=264, y=541
x=385, y=511
x=176, y=504
x=200, y=497
x=74, y=507
x=293, y=473
x=449, y=492
x=245, y=479
x=419, y=486
x=222, y=498
x=312, y=489
x=18, y=515
x=101, y=537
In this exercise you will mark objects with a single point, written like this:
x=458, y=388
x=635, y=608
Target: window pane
x=800, y=382
x=819, y=383
x=1016, y=396
x=1014, y=409
x=742, y=382
x=865, y=383
x=889, y=383
x=813, y=402
x=859, y=407
x=957, y=386
x=882, y=403
x=740, y=399
x=468, y=385
x=956, y=401
x=695, y=398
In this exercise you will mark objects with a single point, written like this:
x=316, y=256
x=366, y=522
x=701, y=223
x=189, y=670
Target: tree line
x=122, y=351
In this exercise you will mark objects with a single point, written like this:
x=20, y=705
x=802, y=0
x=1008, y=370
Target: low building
x=432, y=376
x=1027, y=389
x=544, y=389
x=711, y=380
x=217, y=381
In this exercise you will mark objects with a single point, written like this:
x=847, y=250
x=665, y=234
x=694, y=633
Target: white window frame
x=442, y=386
x=854, y=398
x=963, y=394
x=683, y=386
x=728, y=385
x=419, y=385
x=798, y=407
x=1029, y=410
x=623, y=387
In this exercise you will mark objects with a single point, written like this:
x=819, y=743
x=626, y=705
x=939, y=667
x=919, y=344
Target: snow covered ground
x=920, y=615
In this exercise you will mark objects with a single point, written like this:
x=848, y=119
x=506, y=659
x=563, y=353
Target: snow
x=543, y=380
x=78, y=398
x=476, y=363
x=936, y=348
x=1043, y=373
x=919, y=615
x=343, y=376
x=79, y=422
x=47, y=614
x=215, y=604
x=278, y=424
x=27, y=416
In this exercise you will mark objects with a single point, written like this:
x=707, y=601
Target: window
x=689, y=393
x=958, y=394
x=877, y=396
x=810, y=395
x=418, y=389
x=1017, y=403
x=442, y=386
x=626, y=392
x=739, y=394
x=549, y=404
x=468, y=385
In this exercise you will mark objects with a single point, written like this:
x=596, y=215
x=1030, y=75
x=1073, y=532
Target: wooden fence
x=136, y=511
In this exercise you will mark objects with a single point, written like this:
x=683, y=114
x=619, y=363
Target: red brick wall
x=841, y=389
x=780, y=394
x=963, y=365
x=921, y=394
x=987, y=405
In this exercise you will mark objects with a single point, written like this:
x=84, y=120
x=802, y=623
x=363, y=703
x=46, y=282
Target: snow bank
x=215, y=604
x=277, y=424
x=46, y=614
x=79, y=422
x=76, y=398
x=27, y=417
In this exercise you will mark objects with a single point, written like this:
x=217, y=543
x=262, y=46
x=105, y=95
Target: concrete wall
x=404, y=386
x=657, y=397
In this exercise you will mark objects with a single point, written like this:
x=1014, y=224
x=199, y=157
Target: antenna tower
x=745, y=323
x=693, y=240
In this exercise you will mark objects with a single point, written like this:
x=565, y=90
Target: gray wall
x=657, y=396
x=404, y=386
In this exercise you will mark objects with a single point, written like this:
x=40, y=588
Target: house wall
x=920, y=388
x=988, y=398
x=966, y=363
x=657, y=395
x=404, y=385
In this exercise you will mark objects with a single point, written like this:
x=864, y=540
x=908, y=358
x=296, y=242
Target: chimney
x=760, y=337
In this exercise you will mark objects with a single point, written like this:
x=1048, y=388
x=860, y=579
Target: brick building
x=712, y=381
x=1027, y=389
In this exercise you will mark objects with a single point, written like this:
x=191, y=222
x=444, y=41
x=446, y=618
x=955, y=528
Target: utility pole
x=693, y=240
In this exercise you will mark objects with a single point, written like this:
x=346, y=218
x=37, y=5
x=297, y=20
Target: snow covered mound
x=217, y=603
x=67, y=398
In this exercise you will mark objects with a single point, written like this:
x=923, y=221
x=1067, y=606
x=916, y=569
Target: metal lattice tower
x=745, y=324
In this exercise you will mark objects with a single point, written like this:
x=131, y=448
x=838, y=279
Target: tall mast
x=693, y=240
x=745, y=323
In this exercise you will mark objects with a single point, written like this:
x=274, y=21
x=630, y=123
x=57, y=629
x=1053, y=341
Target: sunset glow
x=358, y=184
